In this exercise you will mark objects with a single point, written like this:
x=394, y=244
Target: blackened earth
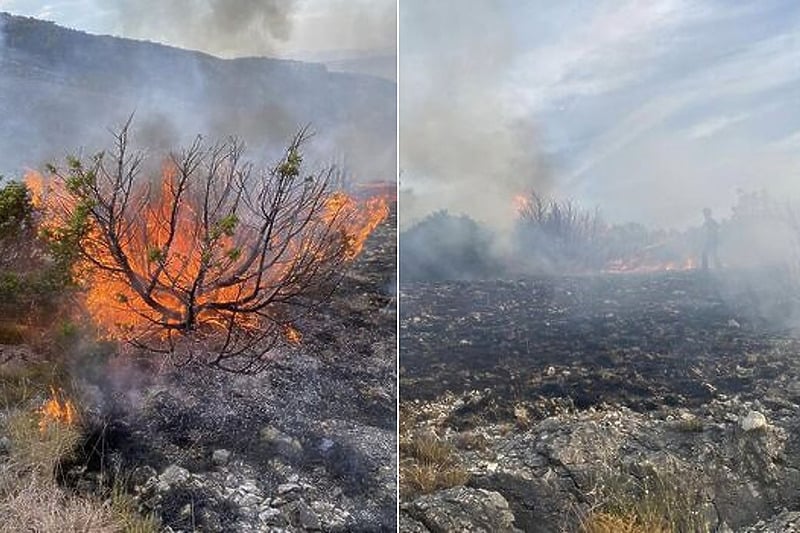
x=309, y=444
x=563, y=380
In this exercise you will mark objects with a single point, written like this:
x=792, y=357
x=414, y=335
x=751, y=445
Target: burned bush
x=557, y=236
x=447, y=247
x=211, y=259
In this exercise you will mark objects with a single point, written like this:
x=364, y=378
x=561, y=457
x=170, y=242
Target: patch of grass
x=127, y=513
x=601, y=522
x=20, y=382
x=31, y=498
x=657, y=500
x=36, y=504
x=39, y=451
x=690, y=425
x=428, y=464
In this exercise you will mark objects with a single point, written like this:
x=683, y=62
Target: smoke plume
x=464, y=146
x=224, y=27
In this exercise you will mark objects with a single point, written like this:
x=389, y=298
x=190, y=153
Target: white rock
x=754, y=420
x=174, y=475
x=220, y=457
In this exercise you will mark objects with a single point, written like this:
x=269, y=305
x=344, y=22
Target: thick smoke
x=464, y=146
x=348, y=35
x=229, y=28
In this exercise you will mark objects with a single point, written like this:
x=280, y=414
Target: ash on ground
x=309, y=444
x=560, y=396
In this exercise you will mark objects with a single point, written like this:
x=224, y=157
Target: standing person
x=711, y=240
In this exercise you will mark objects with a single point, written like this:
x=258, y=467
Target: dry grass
x=21, y=382
x=658, y=501
x=127, y=514
x=601, y=522
x=30, y=497
x=428, y=464
x=690, y=425
x=37, y=504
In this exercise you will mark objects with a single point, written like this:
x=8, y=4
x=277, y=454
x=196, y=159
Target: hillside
x=60, y=90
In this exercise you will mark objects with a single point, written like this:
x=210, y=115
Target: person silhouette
x=711, y=240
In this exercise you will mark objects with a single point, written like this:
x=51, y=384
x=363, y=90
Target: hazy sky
x=302, y=29
x=650, y=110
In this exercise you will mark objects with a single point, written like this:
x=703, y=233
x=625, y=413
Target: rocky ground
x=308, y=445
x=563, y=396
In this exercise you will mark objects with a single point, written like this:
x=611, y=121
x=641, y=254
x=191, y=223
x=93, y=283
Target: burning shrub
x=446, y=247
x=211, y=260
x=560, y=235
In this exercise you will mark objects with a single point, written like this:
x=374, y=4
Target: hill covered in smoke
x=61, y=89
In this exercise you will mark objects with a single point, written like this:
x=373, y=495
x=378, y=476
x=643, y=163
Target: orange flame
x=57, y=411
x=520, y=203
x=292, y=335
x=119, y=310
x=640, y=266
x=362, y=218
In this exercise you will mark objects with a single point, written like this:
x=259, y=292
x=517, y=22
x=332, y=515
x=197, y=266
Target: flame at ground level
x=292, y=335
x=634, y=266
x=57, y=411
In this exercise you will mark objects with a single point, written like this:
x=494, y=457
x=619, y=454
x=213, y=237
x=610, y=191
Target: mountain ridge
x=62, y=87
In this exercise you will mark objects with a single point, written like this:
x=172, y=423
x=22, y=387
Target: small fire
x=292, y=335
x=57, y=411
x=520, y=203
x=641, y=266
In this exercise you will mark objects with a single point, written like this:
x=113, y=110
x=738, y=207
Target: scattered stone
x=5, y=445
x=173, y=475
x=269, y=515
x=282, y=442
x=463, y=509
x=325, y=445
x=306, y=517
x=286, y=488
x=753, y=421
x=220, y=457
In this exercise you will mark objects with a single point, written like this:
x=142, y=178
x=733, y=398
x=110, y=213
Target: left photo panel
x=198, y=302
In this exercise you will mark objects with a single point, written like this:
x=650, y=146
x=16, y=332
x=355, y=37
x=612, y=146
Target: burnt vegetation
x=210, y=259
x=552, y=236
x=615, y=385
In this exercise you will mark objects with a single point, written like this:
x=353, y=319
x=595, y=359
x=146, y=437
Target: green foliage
x=155, y=255
x=290, y=168
x=32, y=280
x=16, y=210
x=226, y=226
x=63, y=242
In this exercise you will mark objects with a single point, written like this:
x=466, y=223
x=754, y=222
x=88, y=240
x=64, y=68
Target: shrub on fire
x=558, y=236
x=210, y=259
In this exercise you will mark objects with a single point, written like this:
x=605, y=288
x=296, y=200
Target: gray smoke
x=223, y=27
x=61, y=90
x=464, y=146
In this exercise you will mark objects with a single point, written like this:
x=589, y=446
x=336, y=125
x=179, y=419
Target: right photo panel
x=599, y=260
